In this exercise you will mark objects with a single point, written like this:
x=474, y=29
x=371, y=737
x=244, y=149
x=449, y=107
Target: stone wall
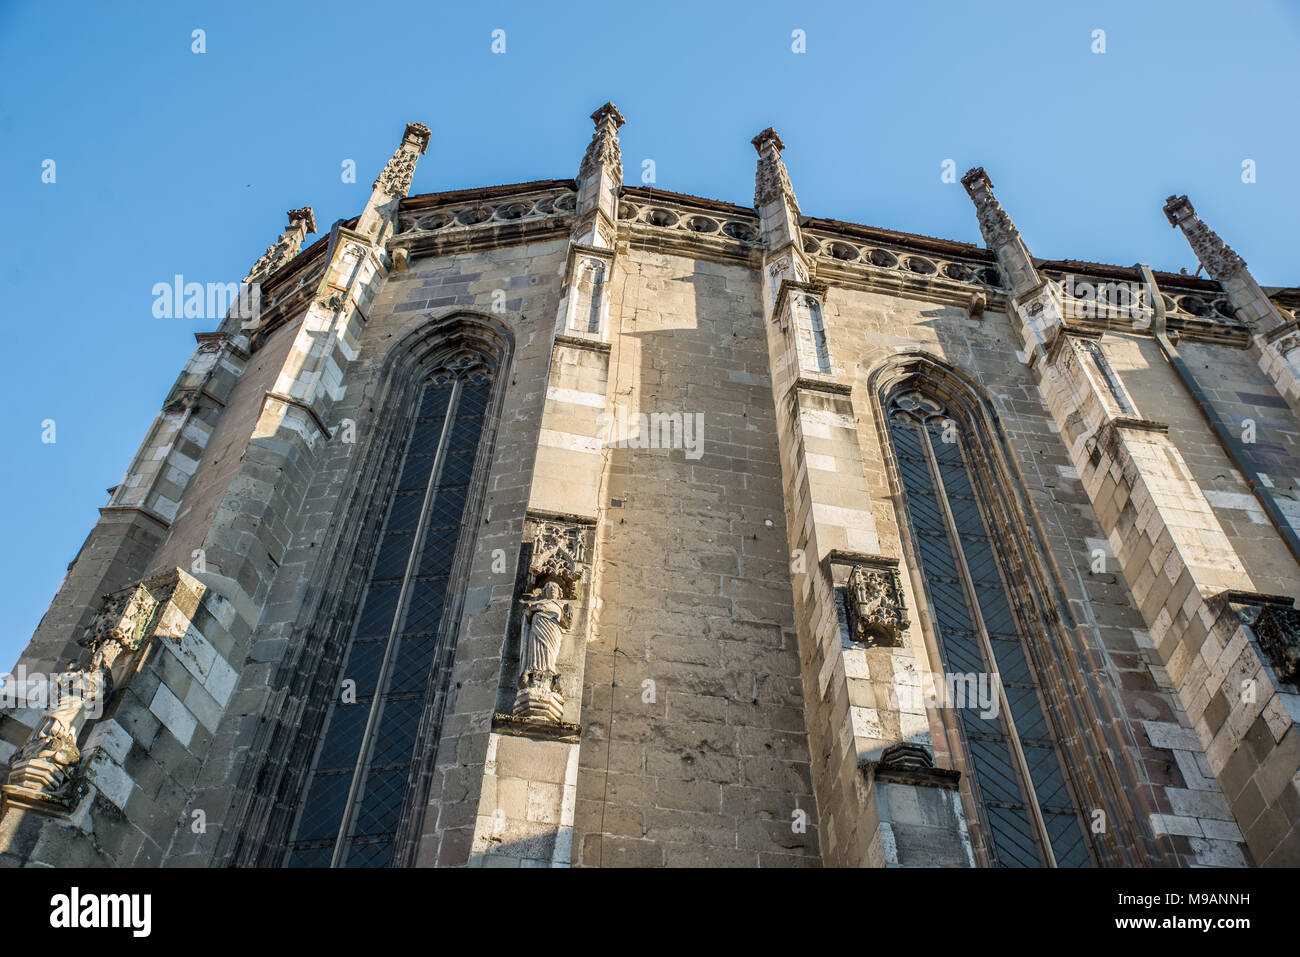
x=699, y=389
x=694, y=750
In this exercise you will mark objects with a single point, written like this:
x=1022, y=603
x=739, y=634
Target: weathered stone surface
x=734, y=661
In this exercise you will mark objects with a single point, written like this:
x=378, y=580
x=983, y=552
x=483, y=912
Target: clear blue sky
x=172, y=162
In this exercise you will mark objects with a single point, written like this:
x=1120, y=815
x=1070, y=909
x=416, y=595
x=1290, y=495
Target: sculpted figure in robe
x=546, y=614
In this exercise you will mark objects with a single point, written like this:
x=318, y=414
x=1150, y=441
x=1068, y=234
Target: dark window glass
x=354, y=796
x=1013, y=756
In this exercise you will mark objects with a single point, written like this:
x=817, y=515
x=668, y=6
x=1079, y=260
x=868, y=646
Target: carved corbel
x=873, y=600
x=1278, y=630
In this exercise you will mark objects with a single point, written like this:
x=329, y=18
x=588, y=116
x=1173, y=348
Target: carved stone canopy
x=559, y=555
x=873, y=600
x=1278, y=631
x=121, y=625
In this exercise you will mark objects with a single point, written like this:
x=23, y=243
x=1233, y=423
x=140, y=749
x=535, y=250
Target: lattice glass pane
x=405, y=514
x=434, y=403
x=323, y=808
x=377, y=611
x=411, y=667
x=381, y=804
x=394, y=550
x=439, y=549
x=310, y=856
x=425, y=606
x=396, y=733
x=370, y=855
x=343, y=736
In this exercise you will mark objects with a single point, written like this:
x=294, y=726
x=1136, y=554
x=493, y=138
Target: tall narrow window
x=363, y=769
x=821, y=348
x=588, y=295
x=1031, y=817
x=597, y=292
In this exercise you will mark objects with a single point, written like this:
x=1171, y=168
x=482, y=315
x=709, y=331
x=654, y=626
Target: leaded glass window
x=1031, y=819
x=363, y=768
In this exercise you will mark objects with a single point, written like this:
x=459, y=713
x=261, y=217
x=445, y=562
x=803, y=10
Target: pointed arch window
x=1030, y=816
x=364, y=769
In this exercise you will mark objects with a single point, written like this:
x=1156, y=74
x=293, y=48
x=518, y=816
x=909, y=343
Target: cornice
x=427, y=201
x=420, y=243
x=809, y=384
x=1280, y=330
x=580, y=342
x=896, y=282
x=896, y=240
x=299, y=404
x=793, y=285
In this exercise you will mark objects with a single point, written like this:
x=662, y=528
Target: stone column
x=529, y=794
x=852, y=674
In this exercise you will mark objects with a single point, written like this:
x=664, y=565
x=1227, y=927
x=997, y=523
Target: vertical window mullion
x=412, y=562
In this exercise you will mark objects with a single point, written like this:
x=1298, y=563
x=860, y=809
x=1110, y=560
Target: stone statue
x=43, y=770
x=546, y=615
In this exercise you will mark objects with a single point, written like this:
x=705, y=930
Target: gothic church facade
x=573, y=523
